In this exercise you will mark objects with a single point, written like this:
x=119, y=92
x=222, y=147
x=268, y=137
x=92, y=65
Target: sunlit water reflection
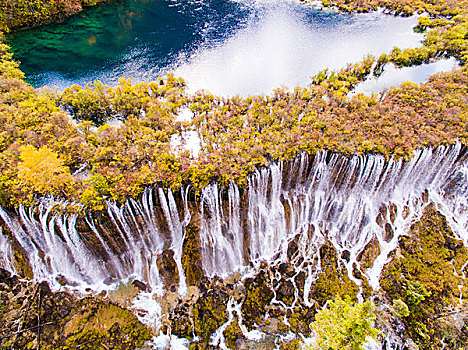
x=225, y=47
x=396, y=76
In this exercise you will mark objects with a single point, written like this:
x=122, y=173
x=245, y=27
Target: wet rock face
x=21, y=262
x=369, y=254
x=182, y=321
x=140, y=285
x=333, y=280
x=271, y=301
x=258, y=295
x=191, y=256
x=32, y=317
x=168, y=270
x=209, y=311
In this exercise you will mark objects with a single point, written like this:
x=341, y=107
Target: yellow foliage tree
x=42, y=170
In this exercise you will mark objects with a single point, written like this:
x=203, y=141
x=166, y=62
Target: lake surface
x=396, y=76
x=225, y=47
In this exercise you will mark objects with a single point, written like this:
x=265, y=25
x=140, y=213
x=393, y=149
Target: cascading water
x=349, y=201
x=452, y=200
x=266, y=212
x=125, y=247
x=220, y=232
x=6, y=257
x=52, y=245
x=169, y=208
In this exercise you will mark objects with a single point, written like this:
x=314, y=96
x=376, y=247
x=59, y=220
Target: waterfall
x=452, y=201
x=343, y=199
x=6, y=254
x=177, y=230
x=346, y=201
x=53, y=246
x=349, y=201
x=141, y=239
x=125, y=248
x=266, y=212
x=221, y=237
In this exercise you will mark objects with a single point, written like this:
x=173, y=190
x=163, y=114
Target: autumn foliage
x=94, y=143
x=42, y=170
x=17, y=14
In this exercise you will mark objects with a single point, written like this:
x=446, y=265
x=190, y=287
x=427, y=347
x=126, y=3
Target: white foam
x=165, y=342
x=184, y=115
x=188, y=140
x=147, y=310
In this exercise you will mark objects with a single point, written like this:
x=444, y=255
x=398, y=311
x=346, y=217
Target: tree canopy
x=342, y=325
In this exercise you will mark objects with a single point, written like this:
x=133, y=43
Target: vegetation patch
x=33, y=317
x=425, y=282
x=342, y=325
x=20, y=14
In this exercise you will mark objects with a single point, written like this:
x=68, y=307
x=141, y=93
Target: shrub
x=401, y=309
x=415, y=293
x=42, y=170
x=342, y=325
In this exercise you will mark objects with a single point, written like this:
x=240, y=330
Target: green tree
x=415, y=292
x=343, y=325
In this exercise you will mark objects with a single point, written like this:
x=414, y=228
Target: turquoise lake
x=225, y=47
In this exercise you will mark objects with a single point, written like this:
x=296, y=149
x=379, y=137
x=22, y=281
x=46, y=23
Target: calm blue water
x=226, y=47
x=106, y=38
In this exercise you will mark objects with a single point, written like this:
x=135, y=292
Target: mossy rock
x=367, y=257
x=101, y=325
x=426, y=275
x=191, y=255
x=333, y=280
x=66, y=322
x=295, y=344
x=202, y=346
x=300, y=319
x=209, y=312
x=232, y=334
x=181, y=321
x=168, y=270
x=258, y=296
x=20, y=14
